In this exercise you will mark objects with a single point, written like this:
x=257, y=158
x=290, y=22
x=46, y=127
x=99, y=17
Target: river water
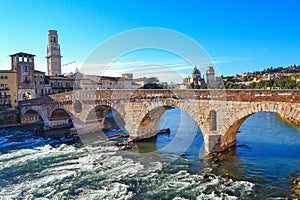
x=263, y=164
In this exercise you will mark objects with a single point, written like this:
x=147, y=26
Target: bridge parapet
x=219, y=113
x=228, y=95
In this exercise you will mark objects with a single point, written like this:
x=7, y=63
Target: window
x=26, y=79
x=5, y=77
x=213, y=120
x=25, y=68
x=1, y=77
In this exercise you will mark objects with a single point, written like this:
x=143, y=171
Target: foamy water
x=264, y=165
x=98, y=171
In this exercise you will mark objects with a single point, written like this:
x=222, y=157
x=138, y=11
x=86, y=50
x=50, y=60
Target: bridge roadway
x=219, y=113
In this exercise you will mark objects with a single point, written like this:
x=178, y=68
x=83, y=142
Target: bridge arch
x=98, y=114
x=152, y=111
x=59, y=117
x=59, y=114
x=31, y=116
x=230, y=129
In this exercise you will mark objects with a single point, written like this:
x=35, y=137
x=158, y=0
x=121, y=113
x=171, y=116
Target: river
x=263, y=165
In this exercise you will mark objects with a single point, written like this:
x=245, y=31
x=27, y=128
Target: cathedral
x=198, y=82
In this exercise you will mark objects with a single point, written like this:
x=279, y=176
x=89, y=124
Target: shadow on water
x=182, y=146
x=31, y=137
x=267, y=154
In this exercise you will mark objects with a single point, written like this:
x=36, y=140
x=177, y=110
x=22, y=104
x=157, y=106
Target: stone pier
x=219, y=113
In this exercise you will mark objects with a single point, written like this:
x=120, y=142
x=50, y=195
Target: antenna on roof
x=68, y=64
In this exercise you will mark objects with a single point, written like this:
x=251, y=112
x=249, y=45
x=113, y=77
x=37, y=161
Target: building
x=23, y=64
x=140, y=81
x=53, y=54
x=59, y=84
x=23, y=82
x=40, y=87
x=88, y=84
x=196, y=81
x=128, y=76
x=8, y=89
x=210, y=75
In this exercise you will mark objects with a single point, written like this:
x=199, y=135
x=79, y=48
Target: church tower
x=210, y=75
x=53, y=54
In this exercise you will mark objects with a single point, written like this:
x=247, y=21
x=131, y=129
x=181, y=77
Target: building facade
x=41, y=88
x=59, y=84
x=196, y=81
x=53, y=54
x=210, y=75
x=23, y=64
x=8, y=89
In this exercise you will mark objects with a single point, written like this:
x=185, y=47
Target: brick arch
x=229, y=130
x=59, y=107
x=90, y=108
x=154, y=110
x=38, y=111
x=57, y=111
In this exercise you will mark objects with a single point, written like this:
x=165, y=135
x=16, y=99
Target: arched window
x=213, y=120
x=26, y=96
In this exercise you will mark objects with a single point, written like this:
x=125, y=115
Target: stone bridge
x=219, y=113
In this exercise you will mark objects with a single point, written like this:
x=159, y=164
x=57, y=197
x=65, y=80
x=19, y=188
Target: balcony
x=4, y=88
x=4, y=96
x=61, y=87
x=5, y=106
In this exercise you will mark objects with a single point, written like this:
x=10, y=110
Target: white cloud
x=229, y=59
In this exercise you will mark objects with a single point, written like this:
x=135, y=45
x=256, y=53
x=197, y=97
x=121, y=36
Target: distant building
x=53, y=54
x=210, y=75
x=140, y=81
x=40, y=87
x=128, y=76
x=196, y=81
x=23, y=82
x=60, y=84
x=23, y=64
x=94, y=82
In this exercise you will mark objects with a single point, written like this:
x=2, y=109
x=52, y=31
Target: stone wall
x=142, y=109
x=9, y=117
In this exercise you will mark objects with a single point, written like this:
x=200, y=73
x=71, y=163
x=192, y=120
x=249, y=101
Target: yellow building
x=8, y=90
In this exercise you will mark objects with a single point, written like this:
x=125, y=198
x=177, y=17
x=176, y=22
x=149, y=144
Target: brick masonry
x=142, y=109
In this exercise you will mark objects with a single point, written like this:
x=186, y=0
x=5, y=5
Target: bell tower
x=53, y=54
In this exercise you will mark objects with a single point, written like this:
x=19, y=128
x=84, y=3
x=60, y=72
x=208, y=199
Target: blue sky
x=239, y=36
